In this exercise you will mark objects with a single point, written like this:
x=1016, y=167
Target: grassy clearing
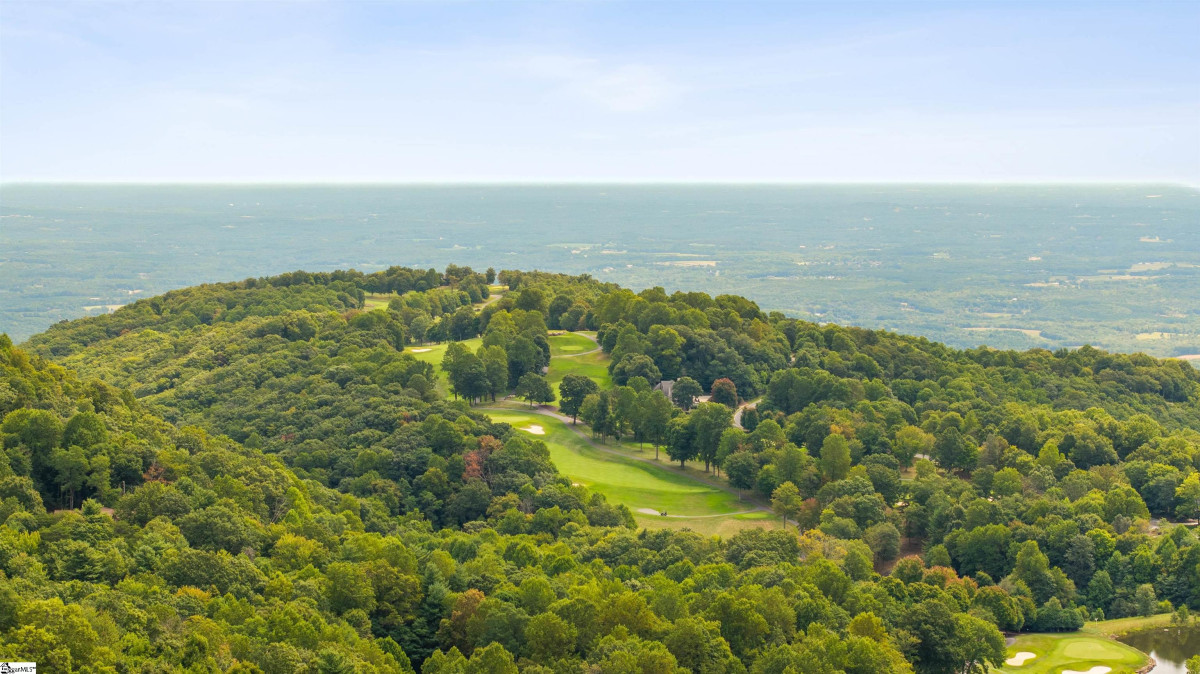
x=375, y=301
x=1080, y=651
x=633, y=483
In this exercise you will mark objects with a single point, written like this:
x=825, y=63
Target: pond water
x=1169, y=646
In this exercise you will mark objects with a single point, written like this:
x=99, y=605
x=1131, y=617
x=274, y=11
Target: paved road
x=737, y=415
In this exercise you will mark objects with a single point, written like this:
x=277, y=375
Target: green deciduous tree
x=495, y=366
x=685, y=391
x=679, y=440
x=708, y=422
x=741, y=468
x=952, y=449
x=1187, y=497
x=70, y=471
x=548, y=638
x=573, y=390
x=835, y=457
x=597, y=413
x=635, y=365
x=654, y=415
x=911, y=441
x=786, y=501
x=535, y=389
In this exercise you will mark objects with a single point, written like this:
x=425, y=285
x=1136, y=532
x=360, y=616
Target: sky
x=460, y=91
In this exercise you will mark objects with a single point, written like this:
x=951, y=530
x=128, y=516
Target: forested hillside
x=273, y=475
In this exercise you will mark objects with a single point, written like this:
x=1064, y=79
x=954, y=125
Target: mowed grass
x=1077, y=651
x=433, y=353
x=1123, y=625
x=375, y=301
x=570, y=344
x=562, y=362
x=628, y=445
x=633, y=483
x=594, y=365
x=723, y=526
x=372, y=301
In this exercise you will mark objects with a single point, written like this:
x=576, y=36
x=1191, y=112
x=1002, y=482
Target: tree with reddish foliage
x=453, y=630
x=473, y=464
x=475, y=460
x=724, y=391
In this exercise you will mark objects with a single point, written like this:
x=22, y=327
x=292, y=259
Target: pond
x=1169, y=646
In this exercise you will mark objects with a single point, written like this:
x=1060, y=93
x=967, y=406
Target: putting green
x=628, y=481
x=1094, y=649
x=1079, y=651
x=570, y=343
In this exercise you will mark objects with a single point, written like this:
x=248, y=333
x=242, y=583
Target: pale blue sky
x=643, y=91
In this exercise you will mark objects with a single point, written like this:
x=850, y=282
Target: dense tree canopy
x=260, y=476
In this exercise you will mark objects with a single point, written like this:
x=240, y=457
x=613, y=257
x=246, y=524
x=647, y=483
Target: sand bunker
x=421, y=350
x=649, y=511
x=1020, y=659
x=535, y=429
x=1098, y=669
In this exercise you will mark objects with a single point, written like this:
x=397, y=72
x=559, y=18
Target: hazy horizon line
x=616, y=182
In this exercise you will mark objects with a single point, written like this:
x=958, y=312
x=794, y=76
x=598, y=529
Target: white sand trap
x=1098, y=669
x=1020, y=659
x=535, y=429
x=421, y=350
x=649, y=511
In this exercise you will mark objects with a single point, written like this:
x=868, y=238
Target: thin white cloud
x=281, y=91
x=633, y=88
x=627, y=87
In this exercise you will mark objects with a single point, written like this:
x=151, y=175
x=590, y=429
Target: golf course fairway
x=645, y=489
